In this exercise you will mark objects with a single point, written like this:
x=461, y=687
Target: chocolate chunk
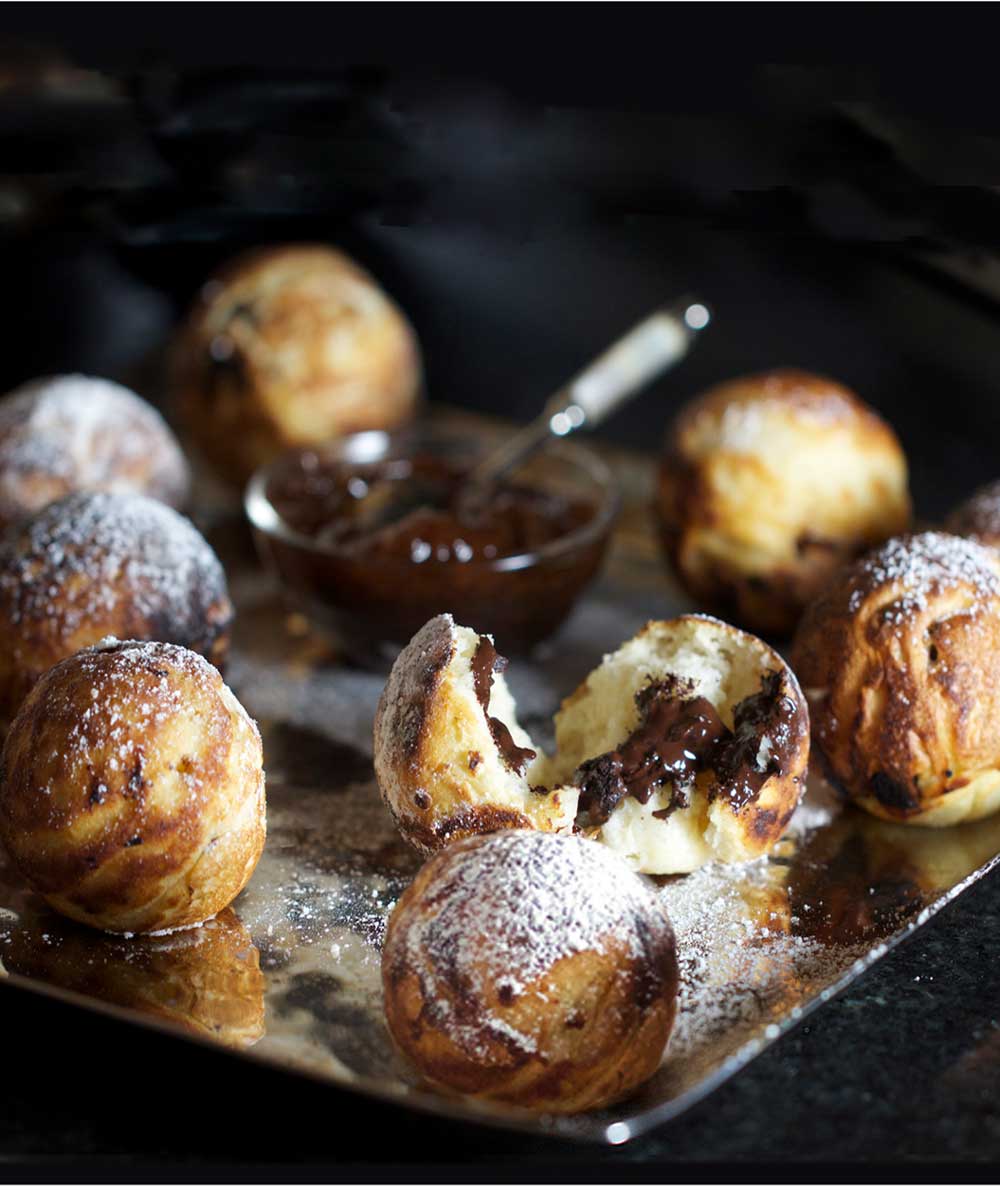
x=485, y=663
x=681, y=735
x=674, y=737
x=761, y=722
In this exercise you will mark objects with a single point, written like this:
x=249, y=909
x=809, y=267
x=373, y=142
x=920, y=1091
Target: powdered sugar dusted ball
x=99, y=564
x=63, y=434
x=132, y=791
x=531, y=968
x=900, y=662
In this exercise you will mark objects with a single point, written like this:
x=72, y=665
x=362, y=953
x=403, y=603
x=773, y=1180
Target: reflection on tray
x=759, y=944
x=206, y=980
x=860, y=880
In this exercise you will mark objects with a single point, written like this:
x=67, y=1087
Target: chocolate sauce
x=485, y=663
x=674, y=735
x=680, y=735
x=760, y=721
x=338, y=503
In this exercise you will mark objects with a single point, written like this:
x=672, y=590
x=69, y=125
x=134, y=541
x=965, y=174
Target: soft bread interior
x=473, y=780
x=602, y=712
x=724, y=667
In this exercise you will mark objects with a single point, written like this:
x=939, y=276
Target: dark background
x=527, y=180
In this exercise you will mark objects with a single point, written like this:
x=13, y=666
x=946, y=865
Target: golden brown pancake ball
x=291, y=346
x=767, y=485
x=64, y=434
x=206, y=980
x=533, y=969
x=900, y=662
x=132, y=793
x=99, y=564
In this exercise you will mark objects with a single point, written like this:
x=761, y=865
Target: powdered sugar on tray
x=743, y=965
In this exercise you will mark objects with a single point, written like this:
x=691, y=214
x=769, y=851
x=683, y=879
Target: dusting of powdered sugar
x=78, y=429
x=74, y=561
x=114, y=719
x=744, y=966
x=503, y=909
x=913, y=569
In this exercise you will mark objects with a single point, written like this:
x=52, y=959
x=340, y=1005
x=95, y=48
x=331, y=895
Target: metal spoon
x=628, y=365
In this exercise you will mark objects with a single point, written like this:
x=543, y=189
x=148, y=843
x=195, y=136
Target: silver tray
x=289, y=976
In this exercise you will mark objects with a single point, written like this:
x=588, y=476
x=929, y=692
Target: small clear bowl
x=372, y=605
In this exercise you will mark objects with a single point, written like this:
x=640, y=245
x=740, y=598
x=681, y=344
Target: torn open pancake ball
x=690, y=743
x=450, y=757
x=531, y=968
x=900, y=660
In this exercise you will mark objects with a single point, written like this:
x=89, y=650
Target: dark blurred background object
x=527, y=181
x=522, y=216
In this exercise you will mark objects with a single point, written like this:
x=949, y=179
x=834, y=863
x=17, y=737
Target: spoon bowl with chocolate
x=688, y=744
x=324, y=521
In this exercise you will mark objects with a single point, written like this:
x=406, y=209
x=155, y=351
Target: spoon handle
x=630, y=363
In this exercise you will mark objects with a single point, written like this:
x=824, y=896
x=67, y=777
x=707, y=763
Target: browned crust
x=600, y=1021
x=159, y=471
x=402, y=714
x=905, y=698
x=99, y=827
x=227, y=411
x=35, y=635
x=792, y=387
x=769, y=600
x=482, y=819
x=403, y=723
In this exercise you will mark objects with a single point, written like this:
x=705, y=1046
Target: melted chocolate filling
x=680, y=735
x=485, y=663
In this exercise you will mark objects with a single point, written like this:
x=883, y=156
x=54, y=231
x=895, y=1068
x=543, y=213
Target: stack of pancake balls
x=531, y=961
x=132, y=784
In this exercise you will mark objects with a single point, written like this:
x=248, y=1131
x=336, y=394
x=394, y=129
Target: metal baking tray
x=289, y=976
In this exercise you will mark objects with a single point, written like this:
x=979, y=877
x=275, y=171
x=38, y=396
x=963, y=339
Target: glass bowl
x=372, y=604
